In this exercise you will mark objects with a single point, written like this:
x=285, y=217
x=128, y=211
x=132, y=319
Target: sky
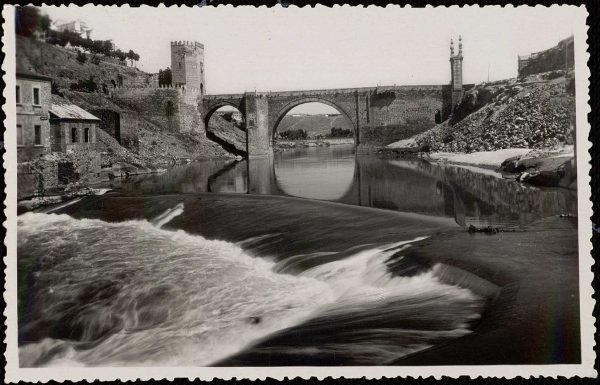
x=276, y=49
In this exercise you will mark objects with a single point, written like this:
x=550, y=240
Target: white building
x=77, y=26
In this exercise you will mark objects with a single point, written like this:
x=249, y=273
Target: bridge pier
x=259, y=143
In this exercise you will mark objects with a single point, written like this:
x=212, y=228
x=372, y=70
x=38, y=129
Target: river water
x=303, y=259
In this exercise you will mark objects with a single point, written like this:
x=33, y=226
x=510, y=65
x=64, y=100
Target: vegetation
x=81, y=57
x=293, y=134
x=28, y=20
x=340, y=133
x=165, y=77
x=88, y=85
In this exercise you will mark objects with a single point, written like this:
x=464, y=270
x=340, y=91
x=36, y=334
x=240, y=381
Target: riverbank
x=288, y=144
x=536, y=269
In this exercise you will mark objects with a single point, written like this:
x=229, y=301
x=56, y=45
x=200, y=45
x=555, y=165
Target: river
x=313, y=257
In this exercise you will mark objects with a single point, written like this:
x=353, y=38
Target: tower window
x=179, y=65
x=18, y=94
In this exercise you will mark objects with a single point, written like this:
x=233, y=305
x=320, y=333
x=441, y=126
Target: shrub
x=95, y=60
x=81, y=57
x=84, y=86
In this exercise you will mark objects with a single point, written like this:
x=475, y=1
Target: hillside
x=313, y=124
x=61, y=64
x=156, y=145
x=536, y=112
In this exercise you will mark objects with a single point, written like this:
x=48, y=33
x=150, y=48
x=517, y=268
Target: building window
x=18, y=94
x=19, y=135
x=74, y=136
x=86, y=134
x=36, y=96
x=179, y=65
x=37, y=132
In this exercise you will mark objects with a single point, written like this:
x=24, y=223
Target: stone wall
x=110, y=121
x=172, y=109
x=394, y=115
x=559, y=57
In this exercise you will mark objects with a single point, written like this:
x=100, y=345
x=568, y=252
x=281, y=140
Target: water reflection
x=316, y=172
x=335, y=173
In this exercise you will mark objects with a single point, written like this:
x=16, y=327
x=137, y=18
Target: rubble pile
x=537, y=114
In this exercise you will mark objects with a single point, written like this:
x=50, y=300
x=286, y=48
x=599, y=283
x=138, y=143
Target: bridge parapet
x=223, y=96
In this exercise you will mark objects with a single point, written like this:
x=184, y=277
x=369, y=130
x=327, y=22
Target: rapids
x=133, y=293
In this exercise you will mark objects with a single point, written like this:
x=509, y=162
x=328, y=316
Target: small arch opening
x=226, y=126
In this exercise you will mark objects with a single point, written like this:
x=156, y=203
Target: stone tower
x=456, y=81
x=187, y=64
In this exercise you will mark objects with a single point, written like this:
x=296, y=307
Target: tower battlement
x=187, y=43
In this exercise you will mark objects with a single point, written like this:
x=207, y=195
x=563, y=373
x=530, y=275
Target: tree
x=27, y=20
x=45, y=23
x=120, y=54
x=107, y=47
x=165, y=77
x=81, y=57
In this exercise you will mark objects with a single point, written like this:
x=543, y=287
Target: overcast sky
x=270, y=49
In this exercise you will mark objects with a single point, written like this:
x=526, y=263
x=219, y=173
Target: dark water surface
x=471, y=195
x=219, y=263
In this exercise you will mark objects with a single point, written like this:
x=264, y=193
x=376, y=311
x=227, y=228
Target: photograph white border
x=586, y=369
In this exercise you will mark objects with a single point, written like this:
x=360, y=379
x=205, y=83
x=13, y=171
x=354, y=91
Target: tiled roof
x=70, y=111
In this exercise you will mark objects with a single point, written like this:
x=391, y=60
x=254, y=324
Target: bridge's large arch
x=283, y=111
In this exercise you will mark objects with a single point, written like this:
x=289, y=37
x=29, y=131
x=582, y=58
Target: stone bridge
x=378, y=115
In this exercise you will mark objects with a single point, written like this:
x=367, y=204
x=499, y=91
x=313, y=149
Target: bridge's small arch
x=293, y=106
x=220, y=107
x=225, y=125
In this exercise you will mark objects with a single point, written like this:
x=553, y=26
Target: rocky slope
x=231, y=137
x=537, y=112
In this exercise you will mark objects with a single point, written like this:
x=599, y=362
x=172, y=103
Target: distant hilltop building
x=559, y=57
x=77, y=26
x=187, y=64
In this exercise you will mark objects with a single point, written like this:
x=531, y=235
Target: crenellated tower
x=187, y=64
x=456, y=80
